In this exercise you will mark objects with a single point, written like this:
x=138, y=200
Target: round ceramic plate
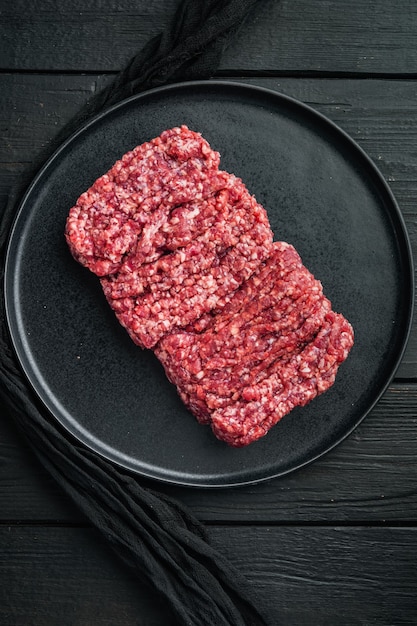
x=322, y=194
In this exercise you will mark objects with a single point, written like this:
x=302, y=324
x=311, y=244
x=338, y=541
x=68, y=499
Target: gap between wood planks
x=233, y=73
x=395, y=524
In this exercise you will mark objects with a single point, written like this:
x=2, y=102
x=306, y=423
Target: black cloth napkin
x=157, y=537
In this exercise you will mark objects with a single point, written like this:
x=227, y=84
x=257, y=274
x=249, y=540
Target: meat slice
x=108, y=219
x=235, y=374
x=152, y=299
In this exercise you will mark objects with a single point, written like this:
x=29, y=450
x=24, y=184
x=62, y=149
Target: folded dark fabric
x=155, y=536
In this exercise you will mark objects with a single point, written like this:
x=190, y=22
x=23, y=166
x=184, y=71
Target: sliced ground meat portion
x=279, y=308
x=254, y=295
x=277, y=315
x=291, y=383
x=105, y=224
x=152, y=299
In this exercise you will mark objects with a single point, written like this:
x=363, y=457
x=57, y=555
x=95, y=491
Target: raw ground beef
x=186, y=259
x=291, y=381
x=108, y=219
x=151, y=299
x=276, y=345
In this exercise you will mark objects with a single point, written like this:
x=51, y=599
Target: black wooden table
x=336, y=542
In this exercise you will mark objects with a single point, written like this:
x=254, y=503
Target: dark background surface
x=334, y=543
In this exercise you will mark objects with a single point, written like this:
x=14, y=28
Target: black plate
x=322, y=194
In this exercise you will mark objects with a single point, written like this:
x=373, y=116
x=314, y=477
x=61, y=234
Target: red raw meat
x=186, y=259
x=275, y=346
x=152, y=299
x=108, y=219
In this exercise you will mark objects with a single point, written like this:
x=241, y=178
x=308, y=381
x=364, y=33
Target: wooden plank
x=69, y=577
x=33, y=108
x=370, y=476
x=327, y=576
x=59, y=35
x=286, y=36
x=381, y=115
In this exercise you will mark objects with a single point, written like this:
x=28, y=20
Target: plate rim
x=398, y=228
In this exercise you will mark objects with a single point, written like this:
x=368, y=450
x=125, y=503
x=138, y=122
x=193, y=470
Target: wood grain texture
x=69, y=577
x=284, y=36
x=323, y=576
x=335, y=543
x=328, y=576
x=370, y=477
x=381, y=115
